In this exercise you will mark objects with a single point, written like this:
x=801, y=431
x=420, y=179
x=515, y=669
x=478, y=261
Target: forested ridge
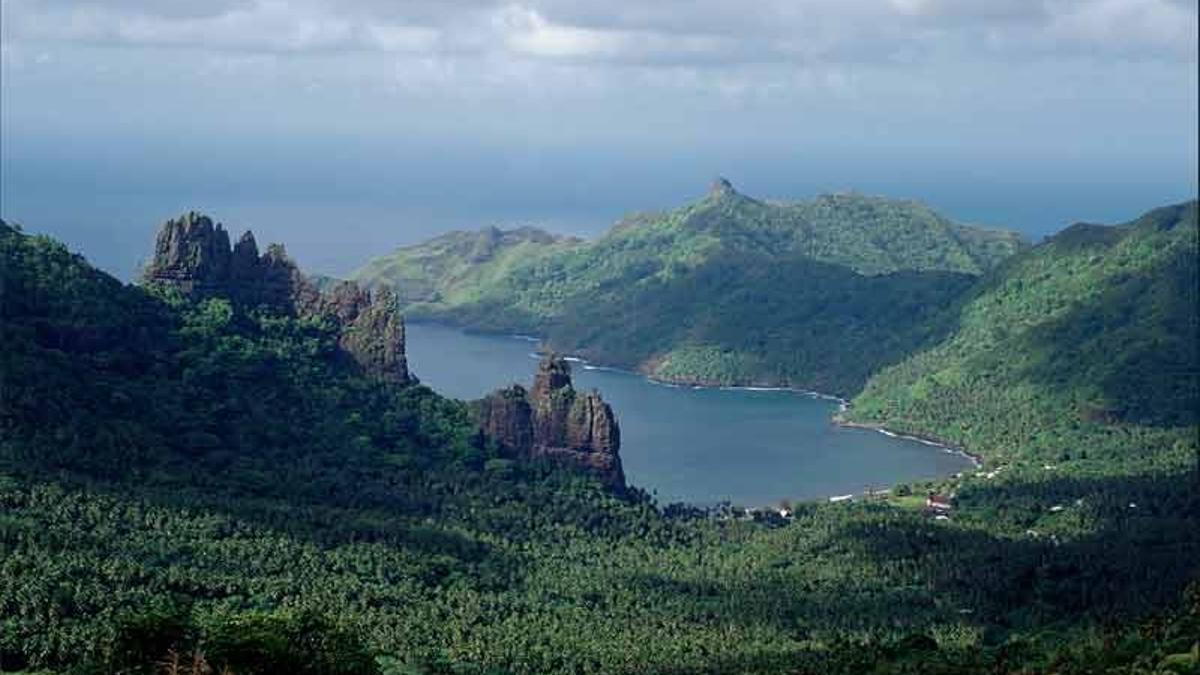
x=202, y=482
x=730, y=289
x=1085, y=347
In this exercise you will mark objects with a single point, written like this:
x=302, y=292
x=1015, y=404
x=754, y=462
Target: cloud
x=1031, y=10
x=174, y=9
x=1116, y=28
x=1167, y=26
x=665, y=32
x=526, y=31
x=561, y=68
x=232, y=25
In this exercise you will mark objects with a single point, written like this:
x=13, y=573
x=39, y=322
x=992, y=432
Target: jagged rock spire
x=553, y=373
x=553, y=421
x=244, y=264
x=190, y=249
x=247, y=244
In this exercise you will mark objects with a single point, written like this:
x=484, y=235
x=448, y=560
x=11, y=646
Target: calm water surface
x=753, y=448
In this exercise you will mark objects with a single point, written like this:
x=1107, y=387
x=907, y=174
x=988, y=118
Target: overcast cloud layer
x=576, y=111
x=663, y=32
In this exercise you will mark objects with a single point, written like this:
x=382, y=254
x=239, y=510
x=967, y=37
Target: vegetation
x=1085, y=348
x=455, y=266
x=728, y=290
x=190, y=485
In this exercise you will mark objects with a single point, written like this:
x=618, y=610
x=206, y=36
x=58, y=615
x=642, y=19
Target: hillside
x=727, y=290
x=454, y=267
x=1084, y=347
x=217, y=477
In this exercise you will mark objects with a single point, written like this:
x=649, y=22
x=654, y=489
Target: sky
x=347, y=128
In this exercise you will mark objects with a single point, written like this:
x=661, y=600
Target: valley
x=233, y=463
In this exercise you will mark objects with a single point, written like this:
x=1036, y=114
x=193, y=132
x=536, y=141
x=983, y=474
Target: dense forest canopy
x=1075, y=349
x=198, y=480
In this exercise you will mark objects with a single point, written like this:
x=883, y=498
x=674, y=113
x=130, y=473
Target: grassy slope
x=455, y=268
x=667, y=293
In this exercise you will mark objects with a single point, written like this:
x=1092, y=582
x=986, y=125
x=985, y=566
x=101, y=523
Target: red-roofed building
x=938, y=502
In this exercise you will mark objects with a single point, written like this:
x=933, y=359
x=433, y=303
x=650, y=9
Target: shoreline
x=835, y=419
x=843, y=404
x=976, y=460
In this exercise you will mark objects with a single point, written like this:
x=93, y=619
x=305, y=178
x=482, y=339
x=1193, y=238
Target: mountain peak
x=721, y=187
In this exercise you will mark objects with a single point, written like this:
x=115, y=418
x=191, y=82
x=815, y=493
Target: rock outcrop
x=506, y=418
x=194, y=256
x=553, y=421
x=374, y=335
x=721, y=187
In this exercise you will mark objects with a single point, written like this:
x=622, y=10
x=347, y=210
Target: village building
x=938, y=502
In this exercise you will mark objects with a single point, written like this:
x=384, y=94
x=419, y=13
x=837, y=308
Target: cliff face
x=506, y=417
x=552, y=397
x=552, y=420
x=374, y=335
x=194, y=256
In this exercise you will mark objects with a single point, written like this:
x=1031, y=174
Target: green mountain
x=1085, y=347
x=454, y=267
x=218, y=475
x=727, y=290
